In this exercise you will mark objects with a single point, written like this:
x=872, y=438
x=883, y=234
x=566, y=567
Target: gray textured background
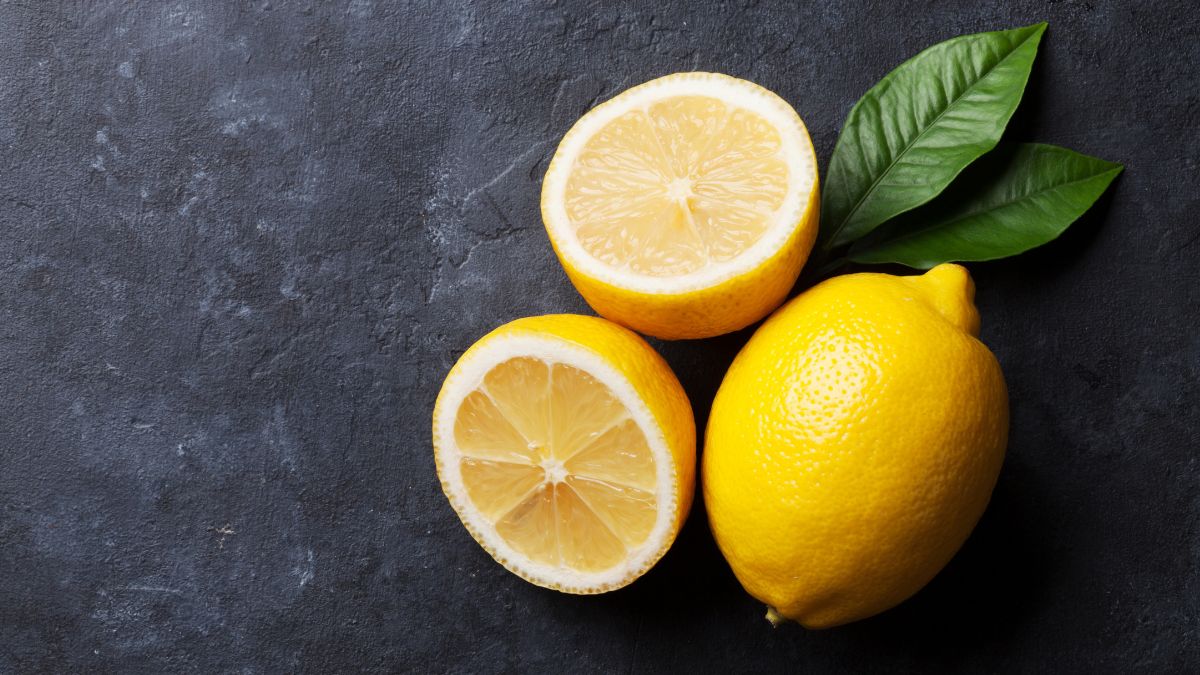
x=244, y=241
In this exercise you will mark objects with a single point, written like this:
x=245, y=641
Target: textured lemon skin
x=854, y=443
x=722, y=308
x=730, y=305
x=650, y=377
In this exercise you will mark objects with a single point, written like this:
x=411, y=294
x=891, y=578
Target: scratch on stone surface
x=466, y=24
x=307, y=571
x=591, y=102
x=556, y=113
x=151, y=589
x=475, y=192
x=443, y=203
x=637, y=640
x=506, y=230
x=278, y=436
x=183, y=210
x=15, y=201
x=507, y=226
x=1191, y=240
x=352, y=437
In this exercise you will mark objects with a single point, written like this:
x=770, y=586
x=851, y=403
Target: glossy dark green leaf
x=1010, y=201
x=912, y=133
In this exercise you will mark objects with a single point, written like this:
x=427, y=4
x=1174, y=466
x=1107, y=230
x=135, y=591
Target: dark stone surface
x=244, y=242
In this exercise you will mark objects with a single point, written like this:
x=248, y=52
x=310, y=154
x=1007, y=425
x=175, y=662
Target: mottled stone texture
x=244, y=241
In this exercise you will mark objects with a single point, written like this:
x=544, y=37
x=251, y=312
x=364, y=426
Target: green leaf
x=1014, y=199
x=912, y=133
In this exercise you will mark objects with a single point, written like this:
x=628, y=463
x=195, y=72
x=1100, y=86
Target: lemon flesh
x=554, y=461
x=668, y=190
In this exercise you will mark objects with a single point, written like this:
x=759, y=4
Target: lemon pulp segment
x=554, y=461
x=669, y=189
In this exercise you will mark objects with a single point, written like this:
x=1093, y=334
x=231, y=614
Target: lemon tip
x=952, y=291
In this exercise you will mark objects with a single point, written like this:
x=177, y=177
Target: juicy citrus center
x=668, y=189
x=553, y=460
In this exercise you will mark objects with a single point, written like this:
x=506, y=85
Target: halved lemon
x=567, y=447
x=686, y=206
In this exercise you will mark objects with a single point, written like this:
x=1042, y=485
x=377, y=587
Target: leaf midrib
x=891, y=165
x=995, y=207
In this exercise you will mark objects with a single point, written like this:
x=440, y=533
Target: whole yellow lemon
x=854, y=443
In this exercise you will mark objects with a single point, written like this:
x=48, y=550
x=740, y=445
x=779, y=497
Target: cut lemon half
x=567, y=447
x=686, y=206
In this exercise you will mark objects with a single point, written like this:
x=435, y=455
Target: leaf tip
x=1033, y=31
x=1114, y=169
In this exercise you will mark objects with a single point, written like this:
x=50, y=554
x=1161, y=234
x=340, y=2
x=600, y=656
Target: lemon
x=567, y=447
x=854, y=443
x=684, y=207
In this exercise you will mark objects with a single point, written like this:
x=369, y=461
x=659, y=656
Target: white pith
x=795, y=150
x=468, y=375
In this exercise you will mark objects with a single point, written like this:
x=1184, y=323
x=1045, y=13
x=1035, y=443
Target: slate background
x=244, y=241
